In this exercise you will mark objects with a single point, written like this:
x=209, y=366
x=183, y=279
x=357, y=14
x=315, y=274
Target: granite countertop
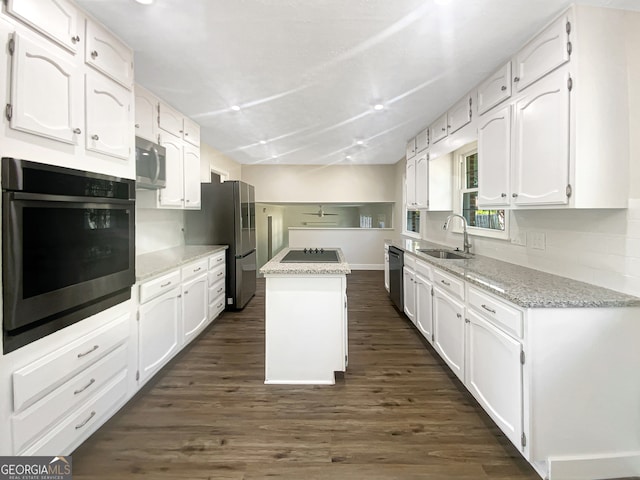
x=274, y=267
x=155, y=263
x=522, y=286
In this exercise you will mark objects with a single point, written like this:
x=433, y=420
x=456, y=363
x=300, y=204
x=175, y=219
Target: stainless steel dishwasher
x=396, y=262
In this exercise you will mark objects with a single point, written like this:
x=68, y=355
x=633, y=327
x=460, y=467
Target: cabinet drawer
x=424, y=269
x=34, y=381
x=449, y=283
x=30, y=423
x=157, y=286
x=216, y=290
x=216, y=274
x=496, y=311
x=83, y=421
x=409, y=261
x=216, y=307
x=217, y=259
x=195, y=268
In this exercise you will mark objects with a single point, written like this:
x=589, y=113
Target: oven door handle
x=67, y=199
x=156, y=157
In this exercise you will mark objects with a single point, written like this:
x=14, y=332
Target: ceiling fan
x=320, y=213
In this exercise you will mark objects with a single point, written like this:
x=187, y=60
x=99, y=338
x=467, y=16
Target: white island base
x=305, y=328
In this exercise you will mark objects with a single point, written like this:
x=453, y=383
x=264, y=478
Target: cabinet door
x=494, y=374
x=173, y=194
x=44, y=91
x=411, y=149
x=495, y=89
x=410, y=182
x=422, y=140
x=422, y=180
x=543, y=54
x=146, y=115
x=424, y=308
x=194, y=306
x=108, y=117
x=191, y=177
x=448, y=326
x=107, y=54
x=541, y=162
x=386, y=270
x=57, y=19
x=459, y=115
x=191, y=132
x=438, y=130
x=440, y=179
x=494, y=158
x=170, y=120
x=158, y=332
x=409, y=293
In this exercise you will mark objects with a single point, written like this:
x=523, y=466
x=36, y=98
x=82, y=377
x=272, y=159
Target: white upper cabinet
x=422, y=180
x=541, y=149
x=438, y=129
x=495, y=89
x=44, y=91
x=146, y=115
x=57, y=19
x=108, y=117
x=410, y=182
x=459, y=115
x=494, y=150
x=191, y=132
x=422, y=140
x=170, y=120
x=109, y=55
x=543, y=53
x=191, y=158
x=172, y=195
x=411, y=149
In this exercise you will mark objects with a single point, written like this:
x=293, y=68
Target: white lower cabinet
x=424, y=307
x=494, y=374
x=448, y=326
x=409, y=289
x=386, y=267
x=194, y=306
x=159, y=334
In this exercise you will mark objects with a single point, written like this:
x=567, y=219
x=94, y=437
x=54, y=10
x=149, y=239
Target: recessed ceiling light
x=359, y=142
x=144, y=2
x=274, y=156
x=263, y=142
x=347, y=157
x=378, y=106
x=235, y=108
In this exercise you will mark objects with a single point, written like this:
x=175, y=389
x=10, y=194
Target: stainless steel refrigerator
x=228, y=217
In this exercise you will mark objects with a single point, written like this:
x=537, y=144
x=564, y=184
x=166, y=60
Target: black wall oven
x=68, y=247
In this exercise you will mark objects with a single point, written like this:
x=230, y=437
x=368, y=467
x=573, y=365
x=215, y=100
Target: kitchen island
x=305, y=319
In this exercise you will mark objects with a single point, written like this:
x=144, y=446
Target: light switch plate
x=537, y=240
x=519, y=238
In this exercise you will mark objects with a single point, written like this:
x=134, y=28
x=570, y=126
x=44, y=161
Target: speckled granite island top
x=274, y=267
x=155, y=263
x=522, y=286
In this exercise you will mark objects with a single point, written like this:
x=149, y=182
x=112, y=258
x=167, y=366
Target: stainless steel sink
x=446, y=254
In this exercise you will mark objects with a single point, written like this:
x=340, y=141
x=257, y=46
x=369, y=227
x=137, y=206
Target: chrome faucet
x=466, y=245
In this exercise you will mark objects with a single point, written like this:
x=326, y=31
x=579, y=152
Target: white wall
x=363, y=248
x=321, y=184
x=212, y=158
x=276, y=212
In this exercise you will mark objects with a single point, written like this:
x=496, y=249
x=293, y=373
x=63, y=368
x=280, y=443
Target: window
x=489, y=223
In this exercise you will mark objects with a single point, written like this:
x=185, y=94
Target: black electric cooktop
x=311, y=255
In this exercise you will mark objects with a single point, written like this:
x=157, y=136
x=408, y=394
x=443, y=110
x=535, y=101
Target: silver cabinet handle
x=514, y=195
x=503, y=195
x=186, y=134
x=459, y=315
x=466, y=320
x=503, y=88
x=446, y=283
x=95, y=347
x=220, y=274
x=93, y=413
x=516, y=79
x=220, y=290
x=488, y=309
x=137, y=125
x=186, y=291
x=95, y=137
x=94, y=54
x=444, y=129
x=219, y=305
x=199, y=268
x=165, y=284
x=75, y=39
x=80, y=390
x=77, y=131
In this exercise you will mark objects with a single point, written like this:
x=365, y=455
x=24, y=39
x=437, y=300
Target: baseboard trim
x=615, y=465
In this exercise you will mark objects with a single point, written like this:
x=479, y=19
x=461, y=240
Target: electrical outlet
x=537, y=240
x=519, y=238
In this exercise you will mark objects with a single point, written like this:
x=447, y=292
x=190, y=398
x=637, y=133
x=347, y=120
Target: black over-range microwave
x=150, y=164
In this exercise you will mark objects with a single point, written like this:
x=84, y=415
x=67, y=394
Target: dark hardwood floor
x=398, y=412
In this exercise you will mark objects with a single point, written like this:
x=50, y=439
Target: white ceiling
x=306, y=73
